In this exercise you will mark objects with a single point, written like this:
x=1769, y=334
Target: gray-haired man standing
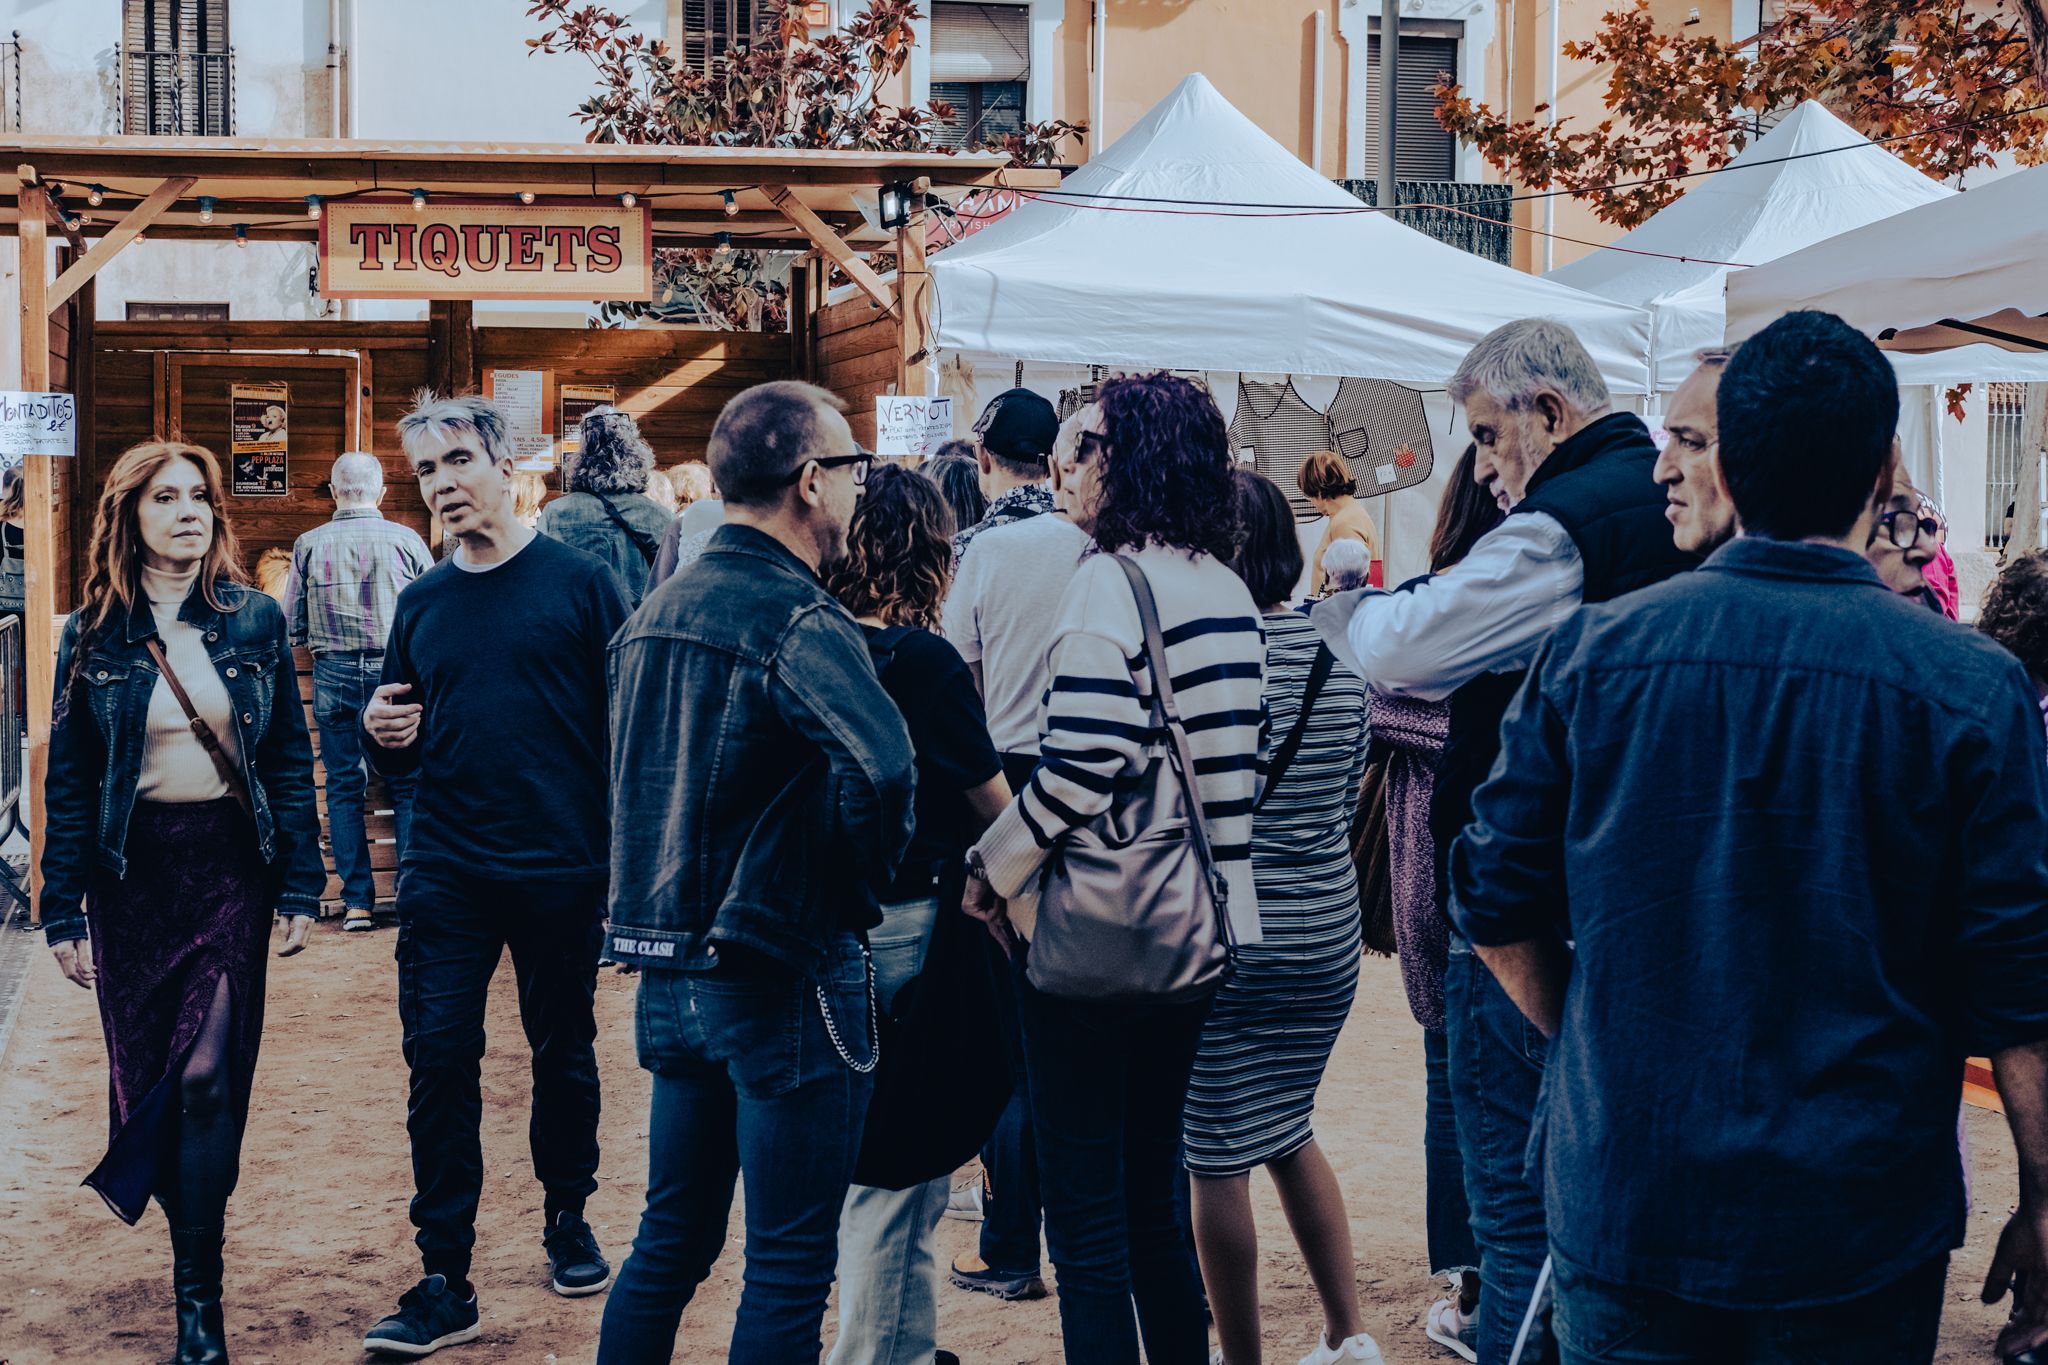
x=494, y=693
x=1586, y=523
x=339, y=599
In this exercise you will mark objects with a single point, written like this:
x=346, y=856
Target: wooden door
x=194, y=405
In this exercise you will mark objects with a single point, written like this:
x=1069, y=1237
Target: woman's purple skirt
x=194, y=908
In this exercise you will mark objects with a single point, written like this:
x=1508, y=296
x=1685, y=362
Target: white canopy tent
x=1810, y=178
x=1316, y=288
x=1978, y=259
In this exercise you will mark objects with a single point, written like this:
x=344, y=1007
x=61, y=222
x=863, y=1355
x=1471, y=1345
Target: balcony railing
x=1487, y=234
x=171, y=92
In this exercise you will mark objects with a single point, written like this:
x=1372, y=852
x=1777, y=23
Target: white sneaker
x=963, y=1201
x=1361, y=1348
x=1447, y=1326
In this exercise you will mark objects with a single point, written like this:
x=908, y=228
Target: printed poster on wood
x=259, y=440
x=524, y=397
x=573, y=402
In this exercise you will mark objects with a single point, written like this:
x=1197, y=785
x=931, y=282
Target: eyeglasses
x=860, y=460
x=1905, y=529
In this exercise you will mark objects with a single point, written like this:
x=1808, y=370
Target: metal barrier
x=176, y=92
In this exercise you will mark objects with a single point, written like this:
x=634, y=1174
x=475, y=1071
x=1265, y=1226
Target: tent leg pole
x=39, y=521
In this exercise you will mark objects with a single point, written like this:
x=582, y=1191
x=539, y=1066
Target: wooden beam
x=914, y=288
x=39, y=520
x=828, y=241
x=131, y=225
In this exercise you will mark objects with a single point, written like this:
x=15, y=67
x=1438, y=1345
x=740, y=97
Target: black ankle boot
x=195, y=1279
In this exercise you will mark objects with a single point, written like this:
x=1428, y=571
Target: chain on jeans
x=874, y=1026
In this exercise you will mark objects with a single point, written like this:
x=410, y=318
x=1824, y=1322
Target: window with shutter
x=177, y=69
x=981, y=66
x=711, y=28
x=1422, y=149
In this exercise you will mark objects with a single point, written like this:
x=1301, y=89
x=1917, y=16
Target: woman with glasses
x=1108, y=1061
x=1904, y=542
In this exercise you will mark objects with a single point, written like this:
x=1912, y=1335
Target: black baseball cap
x=1018, y=425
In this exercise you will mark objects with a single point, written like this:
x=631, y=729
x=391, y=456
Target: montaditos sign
x=475, y=249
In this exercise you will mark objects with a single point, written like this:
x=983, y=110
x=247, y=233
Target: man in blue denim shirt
x=761, y=782
x=1797, y=828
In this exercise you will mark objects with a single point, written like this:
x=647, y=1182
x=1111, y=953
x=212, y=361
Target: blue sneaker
x=576, y=1266
x=429, y=1317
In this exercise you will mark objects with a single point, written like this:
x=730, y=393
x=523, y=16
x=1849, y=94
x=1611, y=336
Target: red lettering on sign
x=475, y=238
x=441, y=249
x=372, y=238
x=562, y=239
x=523, y=247
x=601, y=245
x=405, y=233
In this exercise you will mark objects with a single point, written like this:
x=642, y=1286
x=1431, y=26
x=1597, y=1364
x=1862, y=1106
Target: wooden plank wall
x=673, y=381
x=856, y=359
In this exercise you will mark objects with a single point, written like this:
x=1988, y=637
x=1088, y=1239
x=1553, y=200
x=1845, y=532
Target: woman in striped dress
x=1275, y=1021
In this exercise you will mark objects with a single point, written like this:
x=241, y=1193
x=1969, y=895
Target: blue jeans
x=1109, y=1080
x=1448, y=1216
x=888, y=1274
x=1496, y=1069
x=1011, y=1211
x=748, y=1084
x=342, y=687
x=1604, y=1324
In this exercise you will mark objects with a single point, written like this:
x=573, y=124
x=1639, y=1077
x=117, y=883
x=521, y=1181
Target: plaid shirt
x=345, y=580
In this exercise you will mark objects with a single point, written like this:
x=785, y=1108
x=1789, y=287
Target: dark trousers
x=1496, y=1069
x=452, y=929
x=1010, y=1215
x=342, y=687
x=1108, y=1083
x=1448, y=1216
x=1604, y=1324
x=748, y=1085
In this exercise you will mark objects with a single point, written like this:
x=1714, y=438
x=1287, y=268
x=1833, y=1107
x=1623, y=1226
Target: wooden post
x=914, y=291
x=39, y=517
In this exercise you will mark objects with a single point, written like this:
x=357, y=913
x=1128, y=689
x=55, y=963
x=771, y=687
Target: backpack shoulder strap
x=1318, y=674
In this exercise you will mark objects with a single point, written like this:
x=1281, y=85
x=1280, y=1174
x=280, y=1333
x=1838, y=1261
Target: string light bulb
x=72, y=222
x=628, y=200
x=96, y=196
x=526, y=196
x=206, y=208
x=724, y=240
x=241, y=234
x=419, y=201
x=732, y=204
x=313, y=206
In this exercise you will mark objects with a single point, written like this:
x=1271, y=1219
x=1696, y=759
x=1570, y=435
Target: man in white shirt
x=1586, y=524
x=1000, y=615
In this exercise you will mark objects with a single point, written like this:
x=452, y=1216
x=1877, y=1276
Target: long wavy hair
x=112, y=590
x=899, y=550
x=613, y=457
x=1166, y=473
x=1466, y=513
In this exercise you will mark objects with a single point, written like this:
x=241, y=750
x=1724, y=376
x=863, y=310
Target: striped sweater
x=1095, y=722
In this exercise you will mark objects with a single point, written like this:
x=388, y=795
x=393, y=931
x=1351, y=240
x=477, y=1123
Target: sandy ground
x=319, y=1246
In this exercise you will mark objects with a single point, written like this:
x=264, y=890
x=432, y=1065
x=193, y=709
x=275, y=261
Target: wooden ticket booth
x=450, y=224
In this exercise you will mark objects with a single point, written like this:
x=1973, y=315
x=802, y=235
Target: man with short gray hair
x=339, y=597
x=493, y=692
x=1585, y=524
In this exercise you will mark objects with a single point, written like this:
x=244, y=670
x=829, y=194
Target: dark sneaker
x=1004, y=1284
x=429, y=1317
x=574, y=1261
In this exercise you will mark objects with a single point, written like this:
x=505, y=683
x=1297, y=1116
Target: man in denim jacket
x=761, y=783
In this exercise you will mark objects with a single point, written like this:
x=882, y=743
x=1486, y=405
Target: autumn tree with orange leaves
x=1944, y=84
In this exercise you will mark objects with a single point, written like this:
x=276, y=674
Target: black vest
x=1597, y=485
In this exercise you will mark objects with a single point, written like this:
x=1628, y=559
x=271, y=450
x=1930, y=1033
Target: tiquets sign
x=476, y=249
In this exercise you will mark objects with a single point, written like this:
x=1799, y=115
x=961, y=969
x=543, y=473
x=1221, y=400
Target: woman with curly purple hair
x=1108, y=1060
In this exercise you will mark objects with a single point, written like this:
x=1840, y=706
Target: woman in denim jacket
x=174, y=851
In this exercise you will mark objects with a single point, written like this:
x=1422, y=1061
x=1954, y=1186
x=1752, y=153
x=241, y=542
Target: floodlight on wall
x=732, y=205
x=313, y=206
x=241, y=234
x=419, y=201
x=526, y=196
x=96, y=196
x=628, y=199
x=897, y=197
x=205, y=208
